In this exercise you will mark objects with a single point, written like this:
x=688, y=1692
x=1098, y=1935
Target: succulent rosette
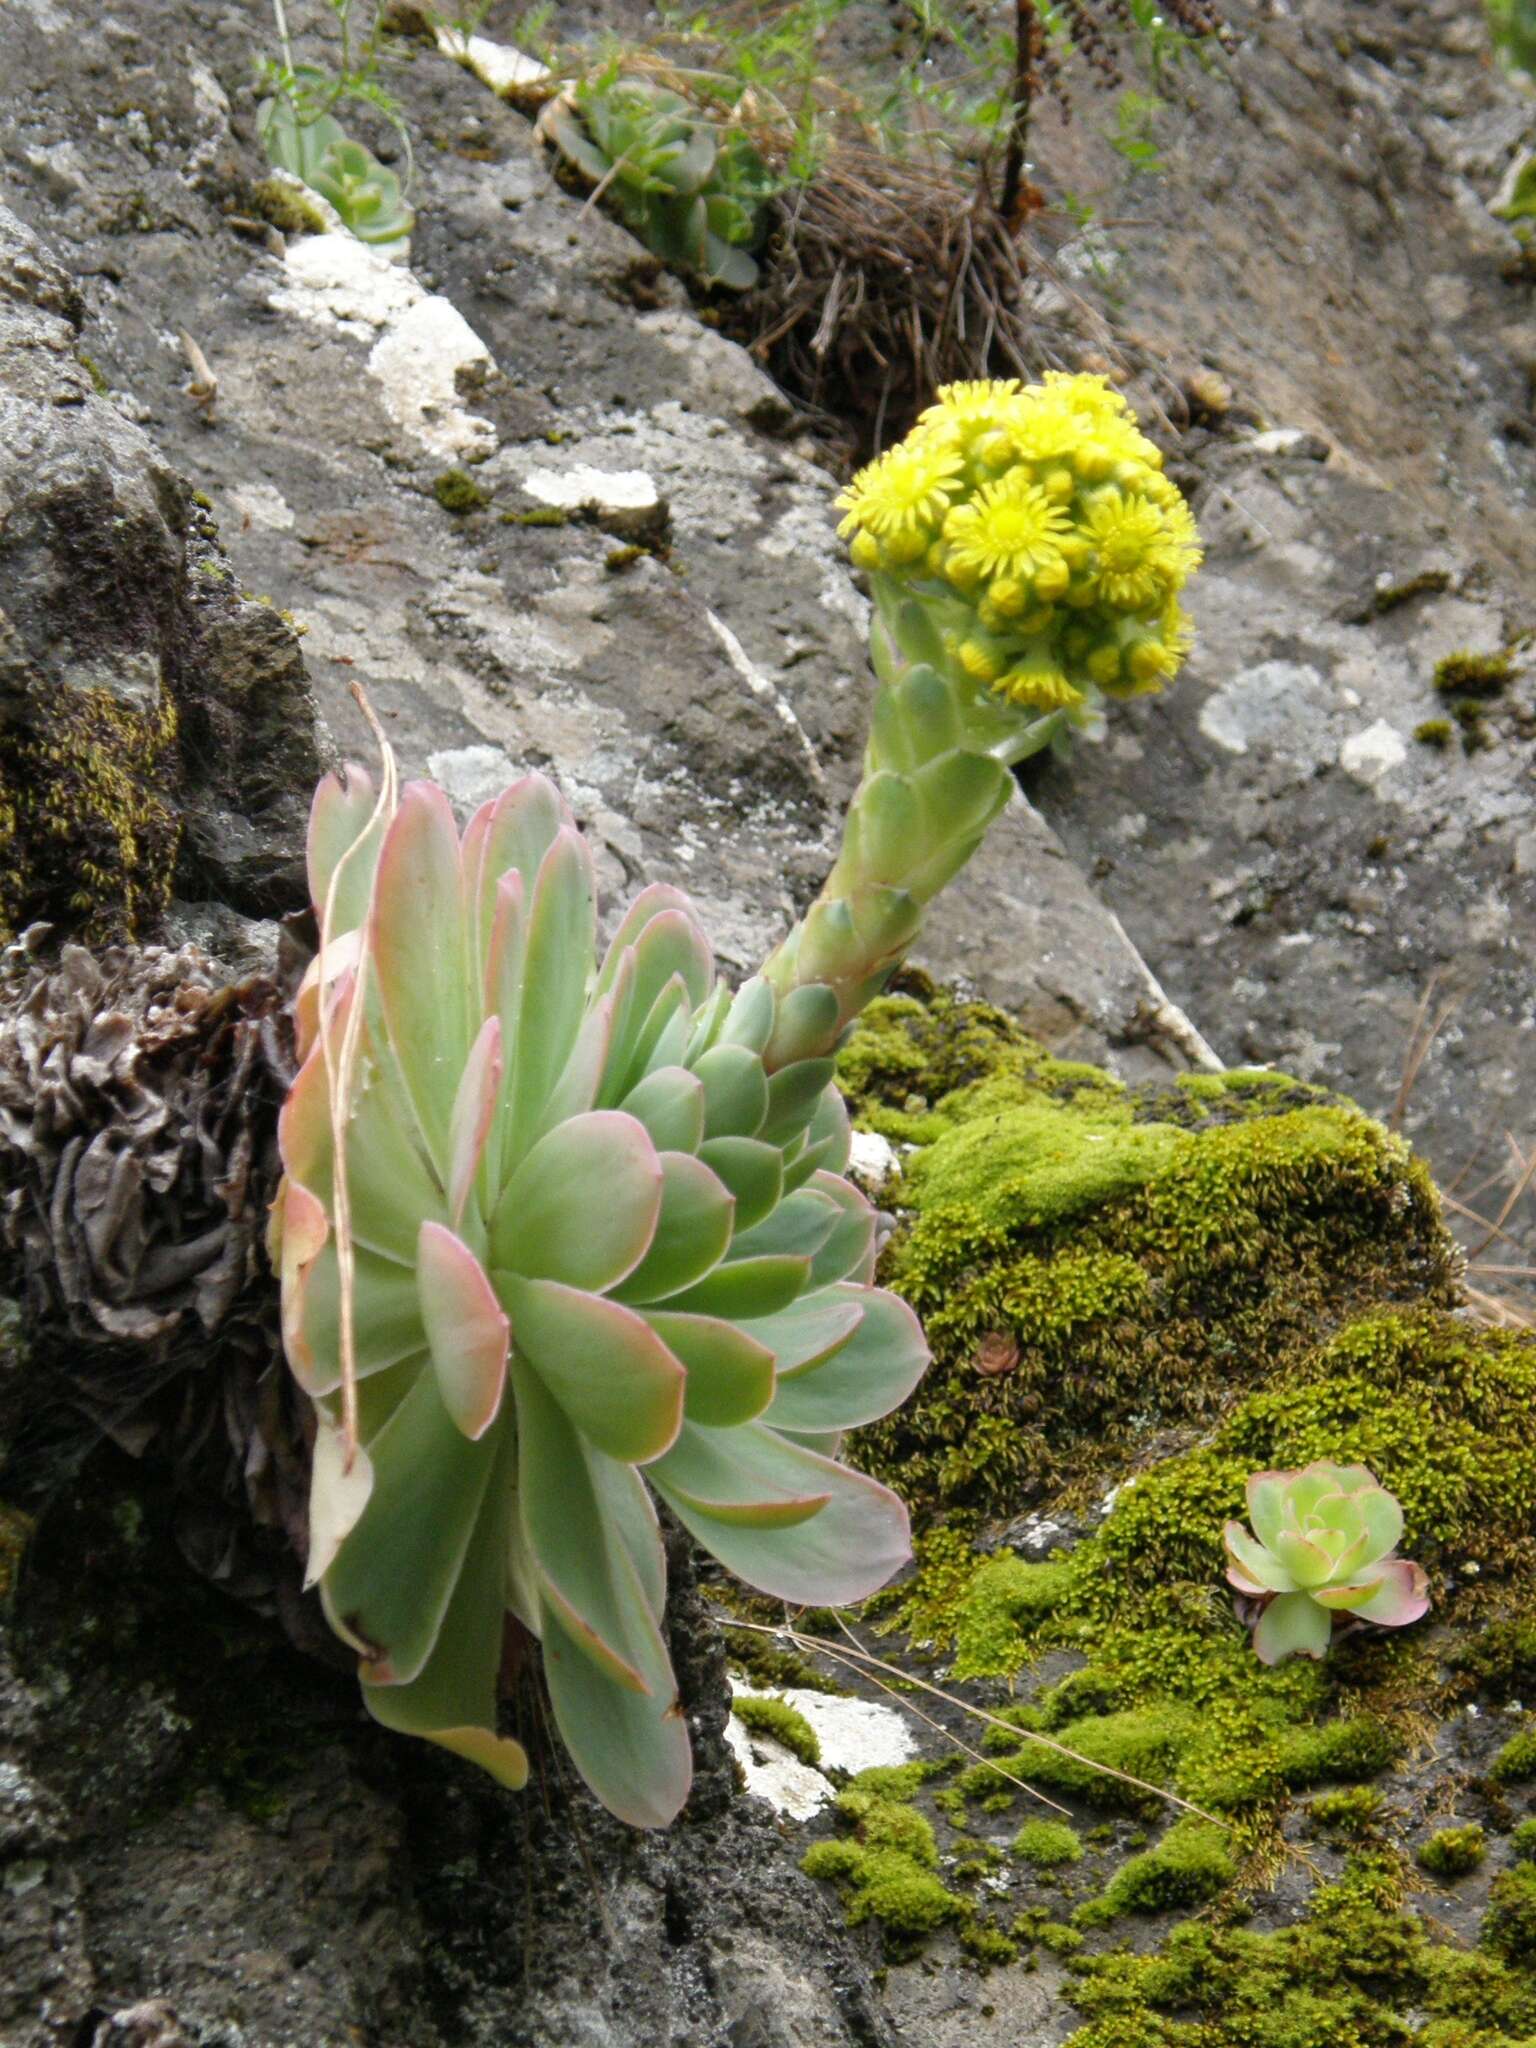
x=555, y=1236
x=1036, y=528
x=1321, y=1553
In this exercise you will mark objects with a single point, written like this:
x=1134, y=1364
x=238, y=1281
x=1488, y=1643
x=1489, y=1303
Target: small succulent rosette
x=1035, y=528
x=1320, y=1559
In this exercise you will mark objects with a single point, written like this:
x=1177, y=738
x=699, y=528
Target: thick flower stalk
x=1320, y=1555
x=554, y=1237
x=1026, y=555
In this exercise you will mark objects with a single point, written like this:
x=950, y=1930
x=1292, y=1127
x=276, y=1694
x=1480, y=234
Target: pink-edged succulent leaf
x=1392, y=1594
x=794, y=1525
x=1292, y=1625
x=868, y=1375
x=603, y=1364
x=386, y=1318
x=509, y=835
x=749, y=1020
x=417, y=945
x=735, y=1091
x=467, y=1329
x=801, y=1225
x=389, y=1586
x=339, y=819
x=753, y=1171
x=670, y=1103
x=793, y=1093
x=596, y=1559
x=1308, y=1563
x=452, y=1700
x=474, y=1104
x=652, y=902
x=557, y=968
x=730, y=1375
x=849, y=1253
x=1266, y=1504
x=582, y=1208
x=746, y=1288
x=1252, y=1568
x=692, y=1234
x=810, y=1329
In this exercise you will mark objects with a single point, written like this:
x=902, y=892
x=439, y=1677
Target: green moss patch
x=1148, y=1255
x=1047, y=1844
x=1357, y=1971
x=1464, y=674
x=777, y=1718
x=1453, y=1852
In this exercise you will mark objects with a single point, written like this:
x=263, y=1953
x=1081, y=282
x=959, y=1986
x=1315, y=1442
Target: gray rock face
x=704, y=711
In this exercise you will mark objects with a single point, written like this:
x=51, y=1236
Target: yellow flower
x=1040, y=684
x=1009, y=529
x=1144, y=554
x=905, y=491
x=966, y=410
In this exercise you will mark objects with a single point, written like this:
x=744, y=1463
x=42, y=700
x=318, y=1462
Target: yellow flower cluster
x=1040, y=517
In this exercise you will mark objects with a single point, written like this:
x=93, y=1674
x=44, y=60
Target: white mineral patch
x=422, y=345
x=584, y=489
x=420, y=359
x=262, y=505
x=1371, y=754
x=772, y=1773
x=872, y=1160
x=1276, y=707
x=471, y=775
x=504, y=69
x=855, y=1735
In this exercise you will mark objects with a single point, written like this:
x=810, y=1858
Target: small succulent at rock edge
x=554, y=1235
x=317, y=150
x=1320, y=1555
x=692, y=192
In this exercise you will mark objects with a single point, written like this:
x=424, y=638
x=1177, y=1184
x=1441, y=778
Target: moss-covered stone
x=1515, y=1763
x=288, y=207
x=1149, y=1254
x=1465, y=674
x=86, y=832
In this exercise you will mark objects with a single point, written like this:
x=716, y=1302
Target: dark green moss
x=1500, y=1660
x=1464, y=674
x=767, y=1664
x=287, y=207
x=1191, y=1864
x=786, y=1724
x=458, y=492
x=1509, y=1926
x=541, y=515
x=1522, y=1842
x=1453, y=1852
x=1435, y=732
x=87, y=834
x=619, y=559
x=1428, y=582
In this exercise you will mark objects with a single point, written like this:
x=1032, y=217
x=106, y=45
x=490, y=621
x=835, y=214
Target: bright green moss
x=1192, y=1863
x=1352, y=1810
x=900, y=1782
x=458, y=492
x=1515, y=1763
x=887, y=1824
x=1522, y=1842
x=1509, y=1926
x=1149, y=1254
x=1047, y=1844
x=1357, y=1971
x=1453, y=1852
x=769, y=1664
x=1464, y=674
x=882, y=1884
x=777, y=1718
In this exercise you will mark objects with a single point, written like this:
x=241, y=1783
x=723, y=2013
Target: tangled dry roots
x=885, y=280
x=139, y=1091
